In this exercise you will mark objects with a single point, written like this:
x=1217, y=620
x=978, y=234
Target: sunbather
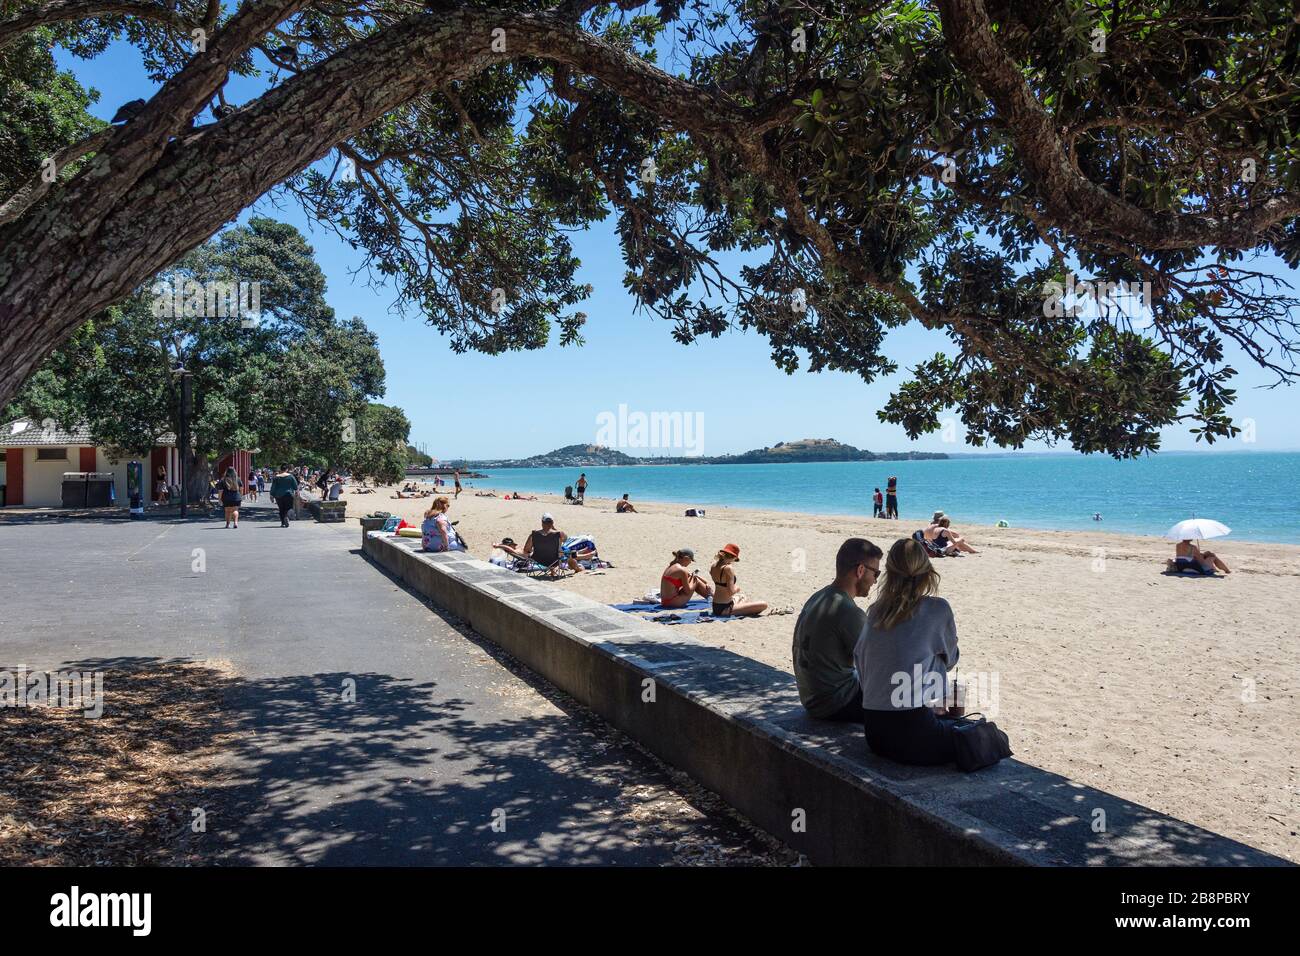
x=678, y=585
x=957, y=540
x=1188, y=557
x=935, y=540
x=545, y=547
x=727, y=599
x=436, y=531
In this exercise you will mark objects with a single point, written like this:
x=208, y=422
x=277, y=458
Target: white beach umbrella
x=1196, y=528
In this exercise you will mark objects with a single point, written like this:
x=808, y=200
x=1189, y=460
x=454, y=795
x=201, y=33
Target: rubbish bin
x=74, y=489
x=100, y=492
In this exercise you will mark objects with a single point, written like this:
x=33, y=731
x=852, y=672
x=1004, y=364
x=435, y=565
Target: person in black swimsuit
x=727, y=599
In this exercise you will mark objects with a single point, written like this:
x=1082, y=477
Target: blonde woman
x=727, y=599
x=436, y=531
x=903, y=657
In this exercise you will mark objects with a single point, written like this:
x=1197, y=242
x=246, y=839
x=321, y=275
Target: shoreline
x=855, y=515
x=1173, y=691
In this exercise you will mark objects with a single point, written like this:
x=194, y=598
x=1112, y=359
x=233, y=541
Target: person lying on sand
x=677, y=585
x=518, y=497
x=727, y=599
x=486, y=494
x=623, y=506
x=1188, y=557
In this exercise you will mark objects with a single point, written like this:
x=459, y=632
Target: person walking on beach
x=457, y=476
x=891, y=497
x=283, y=486
x=230, y=497
x=582, y=488
x=877, y=505
x=827, y=631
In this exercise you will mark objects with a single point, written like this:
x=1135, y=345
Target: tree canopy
x=869, y=164
x=289, y=379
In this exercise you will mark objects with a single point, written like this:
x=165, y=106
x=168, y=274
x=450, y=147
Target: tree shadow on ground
x=289, y=770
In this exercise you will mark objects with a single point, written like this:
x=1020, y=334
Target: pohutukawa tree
x=821, y=172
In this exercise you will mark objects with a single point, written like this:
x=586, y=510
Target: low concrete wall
x=736, y=726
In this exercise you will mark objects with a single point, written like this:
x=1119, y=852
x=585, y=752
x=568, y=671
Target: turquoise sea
x=1254, y=493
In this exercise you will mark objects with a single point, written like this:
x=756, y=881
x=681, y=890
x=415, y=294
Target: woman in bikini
x=678, y=585
x=727, y=599
x=953, y=538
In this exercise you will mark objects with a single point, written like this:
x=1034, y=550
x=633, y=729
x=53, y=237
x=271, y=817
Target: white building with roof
x=34, y=456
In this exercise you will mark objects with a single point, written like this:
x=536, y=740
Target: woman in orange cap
x=727, y=599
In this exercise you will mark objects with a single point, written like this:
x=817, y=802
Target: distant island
x=803, y=450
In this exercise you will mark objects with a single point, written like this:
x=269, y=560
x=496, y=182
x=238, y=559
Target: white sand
x=1107, y=671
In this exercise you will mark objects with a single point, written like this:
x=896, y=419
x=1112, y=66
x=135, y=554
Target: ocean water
x=1255, y=493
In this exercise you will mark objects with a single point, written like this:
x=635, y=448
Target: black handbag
x=979, y=743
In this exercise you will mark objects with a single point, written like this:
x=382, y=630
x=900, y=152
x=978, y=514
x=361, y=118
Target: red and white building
x=34, y=457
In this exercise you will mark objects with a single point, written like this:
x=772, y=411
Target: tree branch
x=1066, y=194
x=63, y=11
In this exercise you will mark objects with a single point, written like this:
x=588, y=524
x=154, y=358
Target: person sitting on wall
x=827, y=631
x=907, y=649
x=436, y=532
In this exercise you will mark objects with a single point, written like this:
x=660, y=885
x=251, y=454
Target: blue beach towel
x=696, y=611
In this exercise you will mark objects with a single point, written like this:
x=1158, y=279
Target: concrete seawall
x=736, y=726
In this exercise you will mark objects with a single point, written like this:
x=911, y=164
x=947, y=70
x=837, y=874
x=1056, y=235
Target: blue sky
x=514, y=405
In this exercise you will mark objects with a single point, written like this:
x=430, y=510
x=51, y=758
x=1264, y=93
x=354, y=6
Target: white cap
x=546, y=516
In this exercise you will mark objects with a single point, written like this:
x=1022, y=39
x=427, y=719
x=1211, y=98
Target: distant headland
x=803, y=450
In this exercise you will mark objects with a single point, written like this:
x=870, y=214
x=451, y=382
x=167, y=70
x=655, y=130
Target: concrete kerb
x=735, y=726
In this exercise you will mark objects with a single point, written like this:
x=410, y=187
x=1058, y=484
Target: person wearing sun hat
x=727, y=599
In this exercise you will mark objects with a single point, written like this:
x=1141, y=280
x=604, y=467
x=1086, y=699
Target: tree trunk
x=200, y=475
x=115, y=225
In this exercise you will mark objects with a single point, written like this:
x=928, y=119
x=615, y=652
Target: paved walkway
x=442, y=739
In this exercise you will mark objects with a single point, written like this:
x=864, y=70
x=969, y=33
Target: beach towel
x=696, y=611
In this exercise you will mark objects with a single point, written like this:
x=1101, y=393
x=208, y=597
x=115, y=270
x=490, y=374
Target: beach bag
x=579, y=542
x=979, y=743
x=391, y=523
x=695, y=512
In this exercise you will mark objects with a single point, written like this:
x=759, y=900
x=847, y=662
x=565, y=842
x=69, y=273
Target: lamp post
x=184, y=440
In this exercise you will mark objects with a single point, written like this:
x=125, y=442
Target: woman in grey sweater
x=903, y=658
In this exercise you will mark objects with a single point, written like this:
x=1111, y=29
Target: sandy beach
x=1179, y=693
